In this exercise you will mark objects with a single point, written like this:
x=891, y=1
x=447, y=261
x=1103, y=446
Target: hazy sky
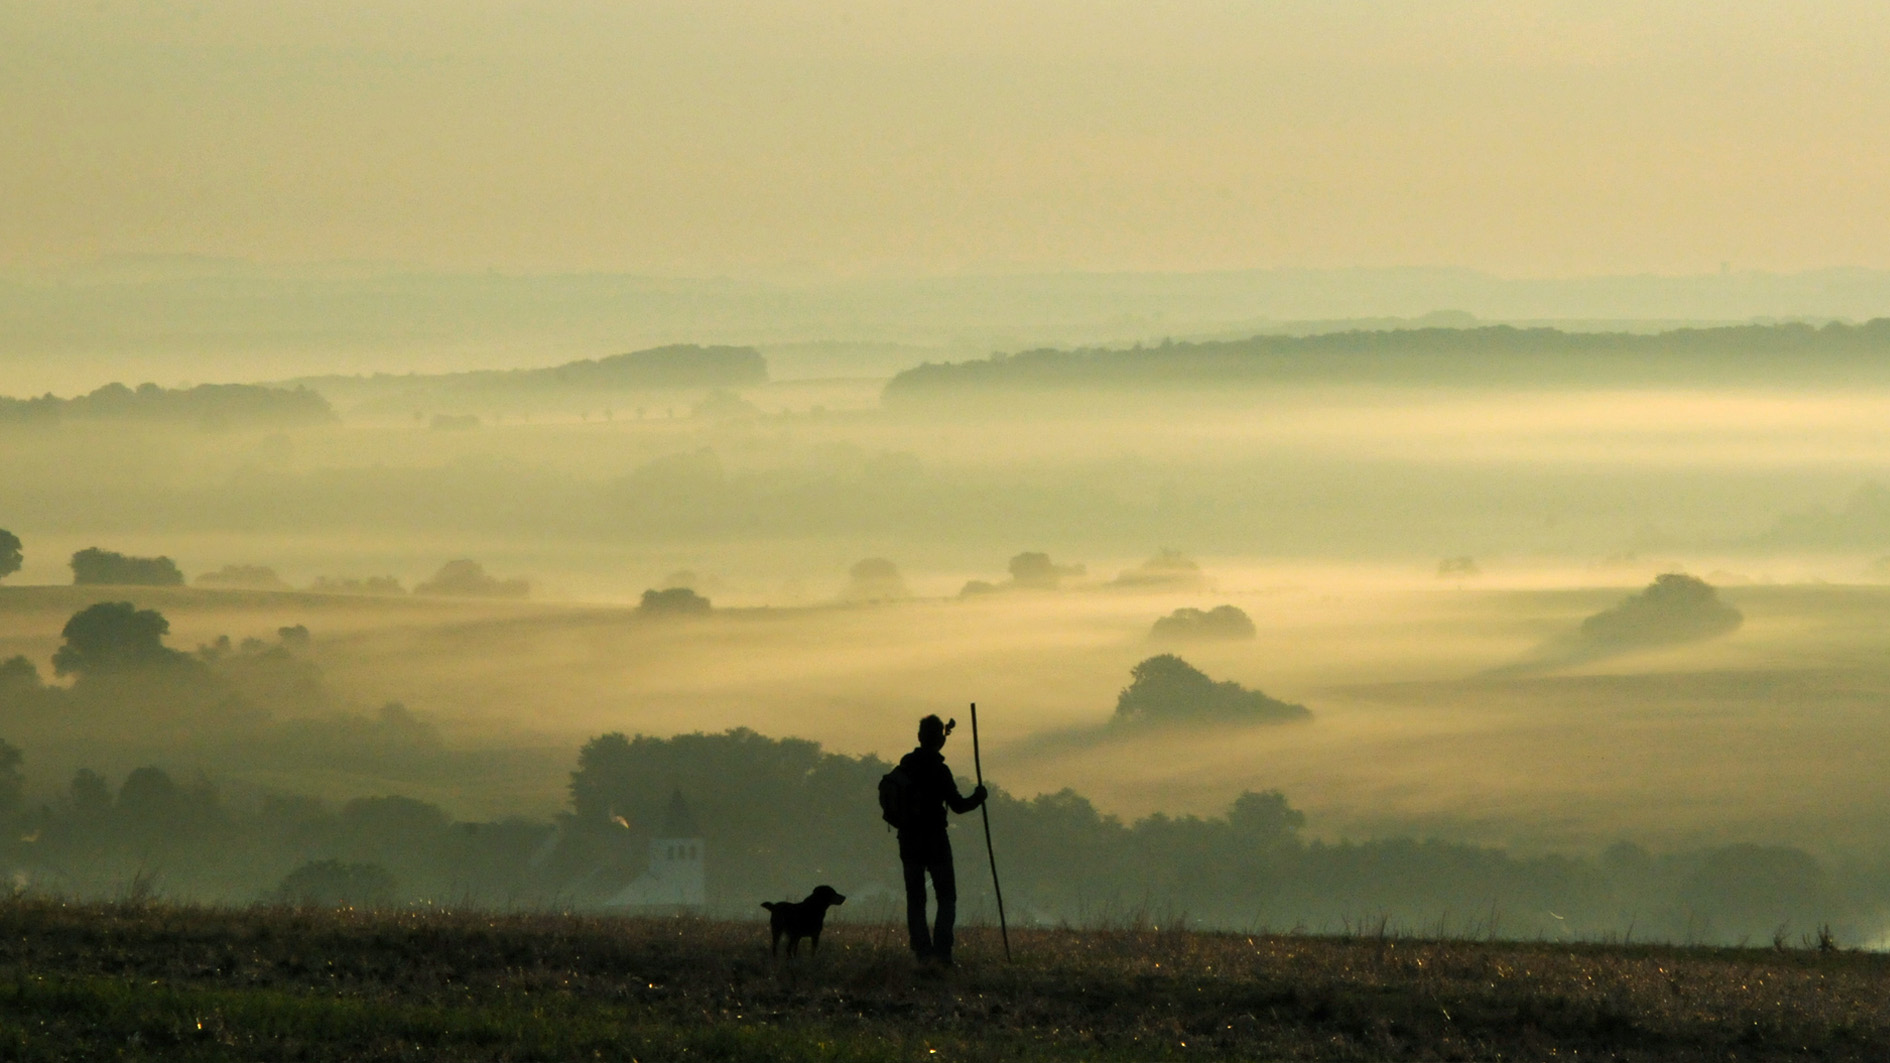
x=1541, y=138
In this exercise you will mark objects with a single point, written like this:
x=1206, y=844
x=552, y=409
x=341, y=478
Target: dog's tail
x=770, y=905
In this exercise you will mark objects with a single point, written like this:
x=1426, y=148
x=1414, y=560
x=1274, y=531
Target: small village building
x=673, y=879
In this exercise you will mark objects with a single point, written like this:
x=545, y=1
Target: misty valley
x=1264, y=634
x=843, y=532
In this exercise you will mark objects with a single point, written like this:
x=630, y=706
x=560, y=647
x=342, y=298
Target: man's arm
x=959, y=803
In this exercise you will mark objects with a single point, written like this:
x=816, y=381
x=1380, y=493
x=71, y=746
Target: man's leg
x=915, y=903
x=945, y=884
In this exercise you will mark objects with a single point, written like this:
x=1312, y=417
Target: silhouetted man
x=924, y=847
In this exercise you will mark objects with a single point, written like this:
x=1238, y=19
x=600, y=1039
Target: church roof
x=678, y=821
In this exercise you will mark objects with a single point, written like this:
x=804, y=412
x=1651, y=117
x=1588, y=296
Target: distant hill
x=1496, y=355
x=682, y=365
x=678, y=367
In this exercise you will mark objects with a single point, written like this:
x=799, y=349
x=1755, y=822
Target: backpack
x=895, y=795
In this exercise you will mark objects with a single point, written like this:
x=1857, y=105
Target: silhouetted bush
x=1194, y=625
x=468, y=579
x=18, y=673
x=93, y=565
x=337, y=884
x=387, y=585
x=1167, y=689
x=11, y=555
x=1458, y=568
x=1168, y=570
x=721, y=405
x=243, y=577
x=673, y=601
x=1035, y=570
x=875, y=580
x=1030, y=570
x=1673, y=608
x=113, y=636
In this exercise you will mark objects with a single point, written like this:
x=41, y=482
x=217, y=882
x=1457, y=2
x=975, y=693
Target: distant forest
x=206, y=405
x=1793, y=354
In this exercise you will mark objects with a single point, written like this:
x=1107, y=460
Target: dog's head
x=827, y=895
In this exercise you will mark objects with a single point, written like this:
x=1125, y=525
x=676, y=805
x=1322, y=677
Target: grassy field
x=138, y=981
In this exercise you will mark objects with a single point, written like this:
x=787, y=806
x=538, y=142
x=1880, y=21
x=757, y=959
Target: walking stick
x=978, y=765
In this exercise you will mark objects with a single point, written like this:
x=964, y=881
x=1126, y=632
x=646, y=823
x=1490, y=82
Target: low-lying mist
x=1429, y=614
x=1414, y=723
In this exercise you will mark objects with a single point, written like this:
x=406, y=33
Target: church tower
x=674, y=879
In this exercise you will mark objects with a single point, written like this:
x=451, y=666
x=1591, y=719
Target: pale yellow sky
x=694, y=136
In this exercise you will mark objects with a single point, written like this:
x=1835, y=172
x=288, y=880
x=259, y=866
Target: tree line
x=776, y=815
x=1494, y=354
x=205, y=405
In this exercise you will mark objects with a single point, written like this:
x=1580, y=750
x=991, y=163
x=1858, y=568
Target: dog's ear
x=769, y=905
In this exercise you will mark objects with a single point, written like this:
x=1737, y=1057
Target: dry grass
x=81, y=982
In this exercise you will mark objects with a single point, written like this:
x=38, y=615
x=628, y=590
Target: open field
x=136, y=982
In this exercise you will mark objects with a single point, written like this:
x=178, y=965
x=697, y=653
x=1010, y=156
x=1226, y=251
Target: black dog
x=800, y=919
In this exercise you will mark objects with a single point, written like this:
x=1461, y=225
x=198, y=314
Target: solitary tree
x=10, y=555
x=1265, y=818
x=113, y=636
